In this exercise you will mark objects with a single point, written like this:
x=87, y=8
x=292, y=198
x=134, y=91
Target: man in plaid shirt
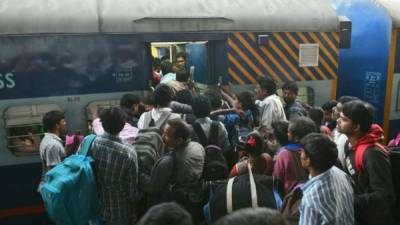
x=116, y=170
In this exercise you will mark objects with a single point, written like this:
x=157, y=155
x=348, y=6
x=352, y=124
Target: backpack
x=291, y=205
x=69, y=192
x=215, y=165
x=395, y=163
x=149, y=147
x=242, y=192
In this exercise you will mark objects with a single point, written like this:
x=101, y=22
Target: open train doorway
x=190, y=57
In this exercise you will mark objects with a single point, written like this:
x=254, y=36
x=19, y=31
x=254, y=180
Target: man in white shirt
x=270, y=105
x=51, y=147
x=158, y=116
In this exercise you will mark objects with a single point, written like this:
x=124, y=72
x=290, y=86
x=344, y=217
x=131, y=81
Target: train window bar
x=24, y=128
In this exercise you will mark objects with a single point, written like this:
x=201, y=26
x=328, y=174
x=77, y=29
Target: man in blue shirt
x=328, y=194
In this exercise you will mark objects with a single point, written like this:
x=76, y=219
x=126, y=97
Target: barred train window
x=24, y=128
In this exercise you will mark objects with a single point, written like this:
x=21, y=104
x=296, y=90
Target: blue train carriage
x=80, y=56
x=392, y=100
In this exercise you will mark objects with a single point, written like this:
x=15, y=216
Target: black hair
x=321, y=150
x=371, y=109
x=253, y=216
x=181, y=130
x=113, y=120
x=156, y=62
x=329, y=105
x=292, y=86
x=317, y=115
x=268, y=85
x=300, y=127
x=51, y=119
x=163, y=95
x=184, y=96
x=128, y=100
x=342, y=100
x=201, y=106
x=247, y=100
x=280, y=129
x=258, y=147
x=180, y=55
x=215, y=98
x=182, y=75
x=166, y=67
x=169, y=213
x=358, y=113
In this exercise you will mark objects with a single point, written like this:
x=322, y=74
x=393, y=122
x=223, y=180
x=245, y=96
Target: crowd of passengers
x=333, y=155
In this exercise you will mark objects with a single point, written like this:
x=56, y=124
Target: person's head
x=163, y=95
x=300, y=127
x=339, y=106
x=113, y=120
x=166, y=67
x=253, y=216
x=355, y=119
x=318, y=152
x=169, y=213
x=245, y=101
x=182, y=75
x=280, y=130
x=317, y=115
x=290, y=91
x=130, y=102
x=157, y=64
x=54, y=122
x=201, y=106
x=215, y=98
x=176, y=133
x=180, y=59
x=254, y=143
x=328, y=109
x=265, y=87
x=183, y=96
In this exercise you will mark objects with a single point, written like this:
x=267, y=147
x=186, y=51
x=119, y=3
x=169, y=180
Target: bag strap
x=86, y=143
x=300, y=173
x=163, y=119
x=213, y=136
x=253, y=189
x=200, y=133
x=229, y=187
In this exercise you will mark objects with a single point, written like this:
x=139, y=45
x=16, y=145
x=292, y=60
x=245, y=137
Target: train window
x=190, y=57
x=24, y=128
x=94, y=108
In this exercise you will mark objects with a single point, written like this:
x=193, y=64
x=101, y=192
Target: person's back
x=201, y=109
x=287, y=166
x=162, y=98
x=270, y=105
x=116, y=170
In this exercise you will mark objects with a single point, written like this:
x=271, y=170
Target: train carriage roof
x=393, y=7
x=153, y=16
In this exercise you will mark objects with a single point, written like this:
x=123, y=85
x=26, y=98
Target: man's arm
x=161, y=174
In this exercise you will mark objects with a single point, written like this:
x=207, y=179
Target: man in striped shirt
x=328, y=195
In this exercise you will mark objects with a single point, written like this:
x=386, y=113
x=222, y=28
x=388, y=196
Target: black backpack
x=215, y=165
x=395, y=163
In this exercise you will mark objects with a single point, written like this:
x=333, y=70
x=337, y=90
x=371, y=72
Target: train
x=79, y=56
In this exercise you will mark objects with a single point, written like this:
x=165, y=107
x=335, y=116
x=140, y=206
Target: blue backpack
x=69, y=191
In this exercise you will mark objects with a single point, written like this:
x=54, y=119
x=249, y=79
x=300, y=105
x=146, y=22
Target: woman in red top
x=261, y=162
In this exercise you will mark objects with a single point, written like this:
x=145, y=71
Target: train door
x=197, y=61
